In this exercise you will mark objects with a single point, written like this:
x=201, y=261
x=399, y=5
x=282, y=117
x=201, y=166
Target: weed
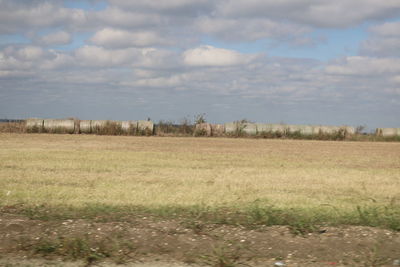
x=200, y=118
x=185, y=128
x=34, y=129
x=387, y=216
x=46, y=247
x=83, y=247
x=108, y=128
x=227, y=254
x=374, y=258
x=200, y=132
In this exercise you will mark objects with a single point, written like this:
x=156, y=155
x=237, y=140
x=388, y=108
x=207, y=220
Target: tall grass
x=12, y=127
x=169, y=128
x=109, y=128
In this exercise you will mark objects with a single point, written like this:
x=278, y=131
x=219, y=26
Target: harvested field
x=203, y=184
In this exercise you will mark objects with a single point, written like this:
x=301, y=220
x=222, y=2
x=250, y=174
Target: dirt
x=148, y=241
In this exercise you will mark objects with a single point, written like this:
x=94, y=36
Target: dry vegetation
x=154, y=172
x=198, y=181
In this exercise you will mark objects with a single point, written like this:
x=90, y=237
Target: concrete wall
x=386, y=132
x=59, y=126
x=335, y=129
x=293, y=128
x=326, y=129
x=302, y=129
x=278, y=128
x=203, y=128
x=349, y=130
x=217, y=129
x=240, y=128
x=263, y=127
x=132, y=127
x=248, y=128
x=35, y=125
x=97, y=126
x=231, y=127
x=129, y=127
x=271, y=128
x=145, y=126
x=307, y=129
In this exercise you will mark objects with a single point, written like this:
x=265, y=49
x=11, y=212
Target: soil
x=149, y=241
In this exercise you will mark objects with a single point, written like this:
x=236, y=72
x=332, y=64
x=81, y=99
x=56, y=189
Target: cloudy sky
x=292, y=61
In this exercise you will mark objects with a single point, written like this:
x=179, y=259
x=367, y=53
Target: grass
x=221, y=180
x=79, y=247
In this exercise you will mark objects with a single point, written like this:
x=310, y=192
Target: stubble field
x=154, y=172
x=247, y=182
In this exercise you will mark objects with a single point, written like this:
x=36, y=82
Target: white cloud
x=211, y=56
x=99, y=57
x=32, y=58
x=388, y=29
x=115, y=38
x=325, y=13
x=56, y=38
x=249, y=29
x=22, y=16
x=386, y=47
x=396, y=79
x=165, y=5
x=367, y=66
x=29, y=53
x=170, y=81
x=117, y=17
x=384, y=40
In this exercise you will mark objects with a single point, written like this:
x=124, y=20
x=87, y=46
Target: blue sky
x=304, y=62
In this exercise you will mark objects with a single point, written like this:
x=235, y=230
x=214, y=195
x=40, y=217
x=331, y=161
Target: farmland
x=248, y=182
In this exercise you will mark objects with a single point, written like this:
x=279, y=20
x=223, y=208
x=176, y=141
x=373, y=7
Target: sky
x=289, y=61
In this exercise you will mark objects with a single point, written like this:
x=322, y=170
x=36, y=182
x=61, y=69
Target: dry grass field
x=213, y=172
x=216, y=201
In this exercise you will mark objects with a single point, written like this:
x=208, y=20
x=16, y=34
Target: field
x=251, y=183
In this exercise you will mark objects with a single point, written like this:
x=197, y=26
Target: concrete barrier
x=387, y=132
x=248, y=128
x=98, y=126
x=307, y=129
x=316, y=130
x=293, y=128
x=239, y=128
x=326, y=129
x=34, y=125
x=302, y=129
x=203, y=129
x=349, y=130
x=85, y=126
x=217, y=129
x=263, y=128
x=278, y=128
x=145, y=126
x=231, y=127
x=59, y=126
x=129, y=127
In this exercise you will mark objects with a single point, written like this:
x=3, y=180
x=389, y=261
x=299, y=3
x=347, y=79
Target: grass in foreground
x=234, y=181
